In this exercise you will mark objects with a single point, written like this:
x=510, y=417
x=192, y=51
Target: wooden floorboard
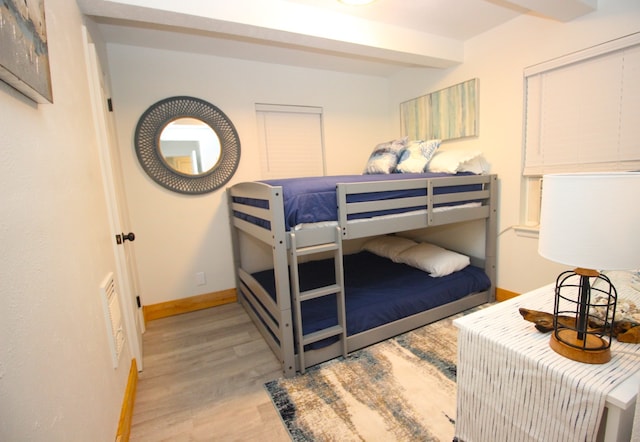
x=203, y=380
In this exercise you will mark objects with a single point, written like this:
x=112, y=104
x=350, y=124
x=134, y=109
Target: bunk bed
x=314, y=303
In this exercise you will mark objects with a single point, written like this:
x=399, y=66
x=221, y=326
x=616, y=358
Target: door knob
x=130, y=236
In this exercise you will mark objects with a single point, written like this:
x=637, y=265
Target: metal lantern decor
x=583, y=314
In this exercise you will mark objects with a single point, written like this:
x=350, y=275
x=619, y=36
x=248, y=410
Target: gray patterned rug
x=402, y=389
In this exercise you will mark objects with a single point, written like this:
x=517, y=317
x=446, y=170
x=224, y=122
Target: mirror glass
x=190, y=146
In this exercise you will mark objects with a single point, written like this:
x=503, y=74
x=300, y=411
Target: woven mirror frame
x=147, y=145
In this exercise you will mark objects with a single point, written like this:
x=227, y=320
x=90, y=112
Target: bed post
x=235, y=244
x=283, y=287
x=491, y=228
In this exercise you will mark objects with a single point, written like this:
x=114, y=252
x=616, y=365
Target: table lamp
x=590, y=221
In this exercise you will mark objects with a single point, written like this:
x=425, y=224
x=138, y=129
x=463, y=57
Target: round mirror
x=187, y=145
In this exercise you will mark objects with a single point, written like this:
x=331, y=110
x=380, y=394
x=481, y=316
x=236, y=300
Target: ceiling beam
x=291, y=24
x=561, y=10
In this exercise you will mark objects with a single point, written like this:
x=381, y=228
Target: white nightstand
x=620, y=409
x=513, y=386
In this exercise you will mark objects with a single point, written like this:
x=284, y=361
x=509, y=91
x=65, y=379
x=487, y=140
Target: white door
x=126, y=274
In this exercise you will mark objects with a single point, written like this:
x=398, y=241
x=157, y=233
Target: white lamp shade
x=591, y=220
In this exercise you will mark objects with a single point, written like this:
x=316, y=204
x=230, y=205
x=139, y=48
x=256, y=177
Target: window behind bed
x=581, y=115
x=291, y=143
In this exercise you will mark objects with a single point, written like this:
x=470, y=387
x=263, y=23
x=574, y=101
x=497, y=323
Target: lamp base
x=594, y=352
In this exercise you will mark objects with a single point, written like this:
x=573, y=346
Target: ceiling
x=378, y=39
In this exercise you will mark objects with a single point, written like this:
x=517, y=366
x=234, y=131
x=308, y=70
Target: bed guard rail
x=440, y=192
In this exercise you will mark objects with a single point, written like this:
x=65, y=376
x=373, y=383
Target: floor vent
x=113, y=317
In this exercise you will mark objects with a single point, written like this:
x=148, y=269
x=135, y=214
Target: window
x=581, y=115
x=291, y=143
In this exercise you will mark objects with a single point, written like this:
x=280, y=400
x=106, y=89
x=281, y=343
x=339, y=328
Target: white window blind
x=291, y=142
x=583, y=111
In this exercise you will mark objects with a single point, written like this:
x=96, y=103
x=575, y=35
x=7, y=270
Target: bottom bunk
x=382, y=299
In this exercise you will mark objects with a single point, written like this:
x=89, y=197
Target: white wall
x=497, y=58
x=180, y=235
x=57, y=382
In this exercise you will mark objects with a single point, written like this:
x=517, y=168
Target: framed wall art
x=24, y=52
x=445, y=114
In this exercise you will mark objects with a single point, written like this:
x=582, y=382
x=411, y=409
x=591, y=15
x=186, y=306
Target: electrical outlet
x=201, y=278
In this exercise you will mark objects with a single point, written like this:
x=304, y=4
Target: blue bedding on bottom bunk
x=378, y=291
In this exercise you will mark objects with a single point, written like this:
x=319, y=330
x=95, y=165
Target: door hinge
x=138, y=301
x=109, y=105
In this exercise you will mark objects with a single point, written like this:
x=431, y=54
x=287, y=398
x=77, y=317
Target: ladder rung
x=320, y=291
x=321, y=334
x=309, y=250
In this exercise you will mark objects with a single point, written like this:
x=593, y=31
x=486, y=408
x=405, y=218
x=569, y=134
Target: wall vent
x=113, y=317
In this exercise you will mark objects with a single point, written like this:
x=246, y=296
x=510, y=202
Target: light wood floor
x=203, y=380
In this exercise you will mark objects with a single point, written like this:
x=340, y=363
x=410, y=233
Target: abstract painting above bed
x=447, y=114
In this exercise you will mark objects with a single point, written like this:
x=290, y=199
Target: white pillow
x=388, y=246
x=433, y=259
x=416, y=155
x=453, y=161
x=477, y=165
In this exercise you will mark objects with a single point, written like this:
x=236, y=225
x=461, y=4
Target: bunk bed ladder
x=337, y=289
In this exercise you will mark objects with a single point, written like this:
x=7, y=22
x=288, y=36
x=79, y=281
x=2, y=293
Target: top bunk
x=358, y=205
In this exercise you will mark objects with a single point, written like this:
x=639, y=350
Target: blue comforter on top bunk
x=377, y=291
x=313, y=199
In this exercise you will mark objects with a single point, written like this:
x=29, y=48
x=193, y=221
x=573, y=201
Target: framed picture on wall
x=24, y=52
x=445, y=114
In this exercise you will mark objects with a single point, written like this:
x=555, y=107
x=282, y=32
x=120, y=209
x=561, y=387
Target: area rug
x=402, y=389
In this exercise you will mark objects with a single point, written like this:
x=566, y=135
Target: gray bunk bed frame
x=280, y=321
